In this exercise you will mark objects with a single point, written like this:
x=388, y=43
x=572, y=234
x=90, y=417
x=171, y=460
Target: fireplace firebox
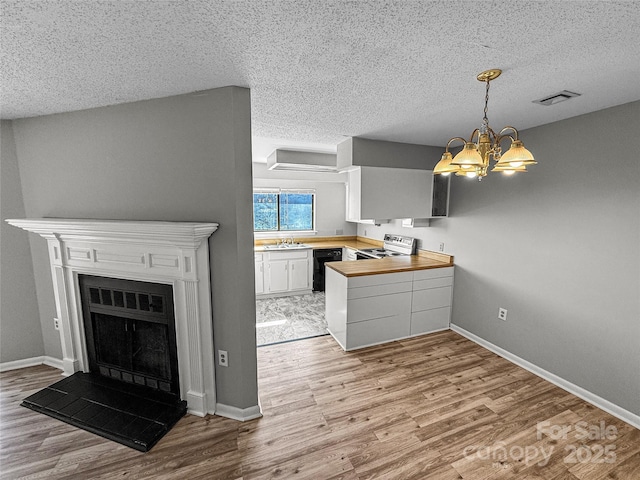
x=130, y=331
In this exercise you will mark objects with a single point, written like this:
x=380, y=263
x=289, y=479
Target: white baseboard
x=609, y=407
x=53, y=362
x=31, y=362
x=381, y=342
x=235, y=413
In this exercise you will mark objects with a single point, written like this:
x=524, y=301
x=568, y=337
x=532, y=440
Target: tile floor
x=282, y=319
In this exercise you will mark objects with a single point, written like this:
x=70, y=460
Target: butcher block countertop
x=422, y=261
x=357, y=243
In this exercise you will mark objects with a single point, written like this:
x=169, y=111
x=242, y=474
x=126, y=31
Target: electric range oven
x=394, y=245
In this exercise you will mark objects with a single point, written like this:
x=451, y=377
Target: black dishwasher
x=320, y=257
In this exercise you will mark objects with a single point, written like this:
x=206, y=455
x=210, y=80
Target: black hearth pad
x=133, y=416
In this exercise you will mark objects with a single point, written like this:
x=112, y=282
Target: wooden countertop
x=357, y=243
x=422, y=261
x=388, y=265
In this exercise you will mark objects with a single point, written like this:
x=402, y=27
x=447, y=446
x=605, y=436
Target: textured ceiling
x=320, y=71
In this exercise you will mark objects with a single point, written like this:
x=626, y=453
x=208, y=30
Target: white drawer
x=380, y=279
x=433, y=273
x=258, y=257
x=432, y=298
x=378, y=330
x=432, y=283
x=360, y=309
x=430, y=320
x=377, y=290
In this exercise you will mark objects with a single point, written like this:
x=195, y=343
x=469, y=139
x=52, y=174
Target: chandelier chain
x=486, y=105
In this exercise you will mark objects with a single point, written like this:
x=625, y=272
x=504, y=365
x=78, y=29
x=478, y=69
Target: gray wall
x=330, y=195
x=358, y=151
x=182, y=158
x=21, y=334
x=558, y=247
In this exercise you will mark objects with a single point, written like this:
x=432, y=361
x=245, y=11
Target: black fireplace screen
x=130, y=331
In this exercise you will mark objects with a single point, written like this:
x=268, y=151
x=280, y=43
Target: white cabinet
x=285, y=273
x=259, y=273
x=378, y=193
x=439, y=203
x=277, y=275
x=368, y=310
x=387, y=180
x=431, y=300
x=299, y=278
x=372, y=309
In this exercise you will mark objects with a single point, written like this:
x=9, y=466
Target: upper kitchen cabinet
x=381, y=193
x=439, y=203
x=390, y=180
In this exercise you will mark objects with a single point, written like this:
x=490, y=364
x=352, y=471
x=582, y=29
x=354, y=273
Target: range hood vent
x=297, y=161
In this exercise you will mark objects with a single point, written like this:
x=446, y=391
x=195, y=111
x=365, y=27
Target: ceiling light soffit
x=484, y=144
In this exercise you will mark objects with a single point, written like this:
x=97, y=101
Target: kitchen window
x=280, y=210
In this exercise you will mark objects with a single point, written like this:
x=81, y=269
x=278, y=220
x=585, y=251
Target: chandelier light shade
x=468, y=157
x=508, y=170
x=473, y=160
x=444, y=165
x=516, y=156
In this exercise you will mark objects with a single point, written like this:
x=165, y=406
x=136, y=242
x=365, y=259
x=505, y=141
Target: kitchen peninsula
x=369, y=302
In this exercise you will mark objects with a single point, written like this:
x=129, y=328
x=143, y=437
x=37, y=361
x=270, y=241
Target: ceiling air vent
x=557, y=98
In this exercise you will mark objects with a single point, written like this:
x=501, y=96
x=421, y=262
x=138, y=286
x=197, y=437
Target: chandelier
x=473, y=160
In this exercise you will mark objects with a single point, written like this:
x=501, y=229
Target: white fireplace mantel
x=174, y=253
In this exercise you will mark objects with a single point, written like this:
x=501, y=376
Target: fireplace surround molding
x=173, y=253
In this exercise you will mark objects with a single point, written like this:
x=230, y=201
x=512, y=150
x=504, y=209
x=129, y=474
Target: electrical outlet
x=223, y=358
x=365, y=232
x=56, y=324
x=502, y=314
x=442, y=246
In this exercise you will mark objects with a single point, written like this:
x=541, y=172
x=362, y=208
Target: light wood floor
x=433, y=407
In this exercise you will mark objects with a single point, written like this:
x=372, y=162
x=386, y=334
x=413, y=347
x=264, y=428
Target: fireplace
x=130, y=331
x=169, y=258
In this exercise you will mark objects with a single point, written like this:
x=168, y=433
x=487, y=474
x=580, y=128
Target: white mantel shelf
x=157, y=233
x=174, y=253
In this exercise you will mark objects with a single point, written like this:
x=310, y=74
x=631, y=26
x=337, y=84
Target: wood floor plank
x=404, y=458
x=429, y=407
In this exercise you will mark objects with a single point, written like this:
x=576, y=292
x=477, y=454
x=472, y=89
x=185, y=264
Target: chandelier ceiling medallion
x=473, y=160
